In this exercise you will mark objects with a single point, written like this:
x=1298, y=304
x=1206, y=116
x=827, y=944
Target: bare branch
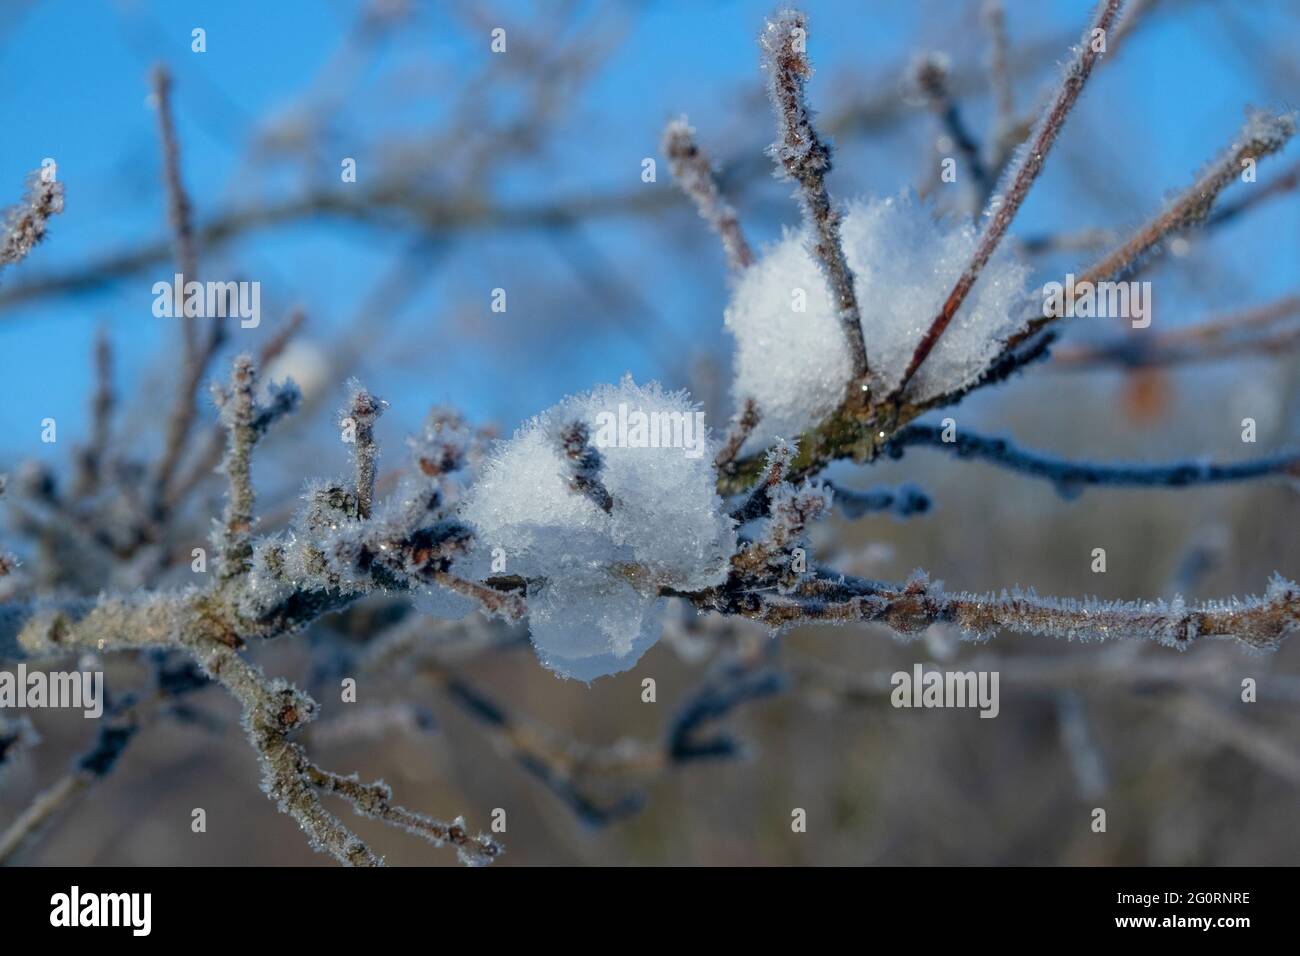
x=197, y=354
x=930, y=73
x=1242, y=332
x=694, y=175
x=1070, y=476
x=1004, y=113
x=114, y=735
x=742, y=426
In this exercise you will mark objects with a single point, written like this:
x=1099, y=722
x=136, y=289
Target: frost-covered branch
x=359, y=421
x=246, y=420
x=1071, y=476
x=206, y=460
x=1258, y=622
x=25, y=225
x=805, y=158
x=1003, y=208
x=694, y=175
x=273, y=711
x=1262, y=135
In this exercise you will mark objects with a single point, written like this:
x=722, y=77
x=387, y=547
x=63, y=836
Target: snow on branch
x=805, y=158
x=602, y=510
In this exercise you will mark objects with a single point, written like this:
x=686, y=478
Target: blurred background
x=523, y=170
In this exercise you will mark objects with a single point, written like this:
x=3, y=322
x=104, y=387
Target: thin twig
x=1003, y=208
x=1070, y=475
x=25, y=225
x=694, y=175
x=805, y=158
x=742, y=426
x=1262, y=135
x=197, y=354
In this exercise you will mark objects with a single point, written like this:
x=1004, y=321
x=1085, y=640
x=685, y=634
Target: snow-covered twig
x=25, y=225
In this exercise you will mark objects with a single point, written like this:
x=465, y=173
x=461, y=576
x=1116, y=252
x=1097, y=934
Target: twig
x=273, y=710
x=742, y=426
x=904, y=502
x=1262, y=135
x=1003, y=209
x=25, y=225
x=362, y=411
x=1004, y=112
x=91, y=459
x=207, y=460
x=197, y=355
x=1236, y=333
x=246, y=421
x=931, y=76
x=806, y=159
x=584, y=463
x=1258, y=622
x=1071, y=476
x=694, y=175
x=96, y=763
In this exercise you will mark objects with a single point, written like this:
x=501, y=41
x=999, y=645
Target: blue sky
x=74, y=81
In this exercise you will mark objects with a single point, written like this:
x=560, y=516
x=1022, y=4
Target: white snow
x=795, y=364
x=594, y=604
